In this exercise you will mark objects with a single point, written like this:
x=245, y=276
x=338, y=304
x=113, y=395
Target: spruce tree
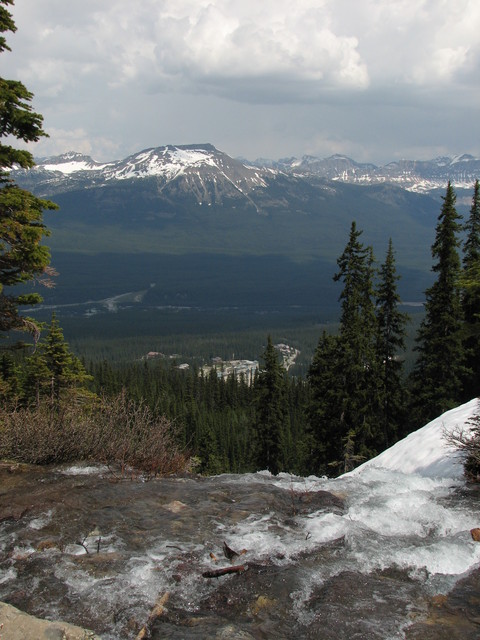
x=22, y=257
x=471, y=297
x=439, y=370
x=271, y=424
x=357, y=337
x=53, y=370
x=324, y=412
x=391, y=323
x=344, y=370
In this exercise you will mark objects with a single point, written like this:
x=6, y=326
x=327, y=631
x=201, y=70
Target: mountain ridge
x=199, y=163
x=207, y=228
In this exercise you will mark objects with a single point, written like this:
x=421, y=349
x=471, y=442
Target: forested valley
x=355, y=399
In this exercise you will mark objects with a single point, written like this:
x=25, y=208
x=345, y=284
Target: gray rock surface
x=17, y=625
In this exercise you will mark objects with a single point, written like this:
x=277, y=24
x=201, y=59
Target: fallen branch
x=156, y=613
x=216, y=573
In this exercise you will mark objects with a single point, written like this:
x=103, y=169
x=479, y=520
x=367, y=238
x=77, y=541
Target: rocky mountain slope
x=201, y=170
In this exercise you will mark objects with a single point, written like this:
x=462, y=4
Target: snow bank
x=425, y=452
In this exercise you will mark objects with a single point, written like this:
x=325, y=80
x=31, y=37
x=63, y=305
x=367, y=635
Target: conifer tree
x=357, y=337
x=324, y=409
x=9, y=378
x=390, y=345
x=271, y=413
x=344, y=370
x=471, y=297
x=439, y=369
x=22, y=257
x=53, y=369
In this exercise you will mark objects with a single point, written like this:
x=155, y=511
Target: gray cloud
x=375, y=79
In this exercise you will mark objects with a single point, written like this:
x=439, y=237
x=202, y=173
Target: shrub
x=114, y=431
x=467, y=442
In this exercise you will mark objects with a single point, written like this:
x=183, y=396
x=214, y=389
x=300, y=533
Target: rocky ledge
x=17, y=625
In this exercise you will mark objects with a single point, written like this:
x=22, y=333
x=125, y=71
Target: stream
x=379, y=554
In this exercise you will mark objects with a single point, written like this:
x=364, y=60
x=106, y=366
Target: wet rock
x=311, y=501
x=100, y=565
x=475, y=533
x=175, y=506
x=16, y=625
x=231, y=633
x=454, y=616
x=345, y=606
x=262, y=603
x=12, y=513
x=288, y=503
x=45, y=545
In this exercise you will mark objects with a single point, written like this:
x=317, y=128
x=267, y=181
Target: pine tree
x=22, y=257
x=9, y=378
x=271, y=413
x=53, y=369
x=324, y=412
x=439, y=370
x=390, y=344
x=344, y=370
x=357, y=341
x=471, y=297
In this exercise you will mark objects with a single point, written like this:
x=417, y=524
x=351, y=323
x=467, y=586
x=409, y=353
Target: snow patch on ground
x=426, y=452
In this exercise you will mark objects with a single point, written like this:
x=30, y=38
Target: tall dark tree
x=390, y=347
x=271, y=422
x=471, y=297
x=22, y=257
x=344, y=370
x=357, y=338
x=17, y=119
x=439, y=369
x=325, y=407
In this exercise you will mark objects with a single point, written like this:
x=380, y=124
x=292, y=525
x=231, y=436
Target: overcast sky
x=376, y=80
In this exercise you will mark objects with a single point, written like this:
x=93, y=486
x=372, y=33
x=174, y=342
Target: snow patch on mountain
x=72, y=167
x=167, y=162
x=71, y=162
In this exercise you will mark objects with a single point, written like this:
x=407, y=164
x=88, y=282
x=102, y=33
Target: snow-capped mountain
x=200, y=169
x=422, y=176
x=211, y=175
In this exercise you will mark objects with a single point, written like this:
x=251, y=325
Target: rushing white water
x=112, y=548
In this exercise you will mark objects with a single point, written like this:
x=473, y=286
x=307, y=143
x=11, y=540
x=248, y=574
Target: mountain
x=197, y=167
x=422, y=176
x=189, y=225
x=207, y=174
x=196, y=198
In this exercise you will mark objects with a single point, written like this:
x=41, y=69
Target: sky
x=376, y=80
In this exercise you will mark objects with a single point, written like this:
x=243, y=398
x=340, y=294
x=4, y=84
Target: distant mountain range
x=190, y=225
x=196, y=167
x=422, y=176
